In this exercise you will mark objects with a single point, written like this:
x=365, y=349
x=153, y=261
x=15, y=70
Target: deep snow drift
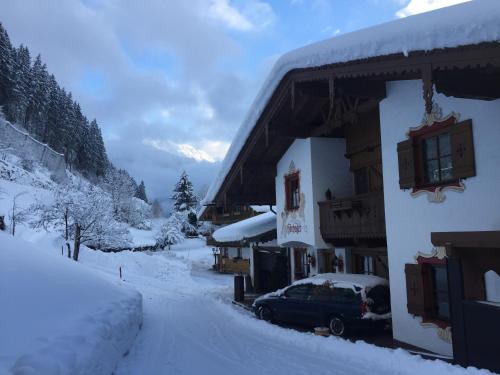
x=59, y=317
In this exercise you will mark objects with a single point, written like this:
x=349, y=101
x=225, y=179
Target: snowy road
x=190, y=327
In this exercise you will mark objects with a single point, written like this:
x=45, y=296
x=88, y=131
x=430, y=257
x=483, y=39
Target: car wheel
x=265, y=313
x=337, y=326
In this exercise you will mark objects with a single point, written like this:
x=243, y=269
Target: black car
x=341, y=302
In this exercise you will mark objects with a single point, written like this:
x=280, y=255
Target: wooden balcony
x=356, y=218
x=233, y=265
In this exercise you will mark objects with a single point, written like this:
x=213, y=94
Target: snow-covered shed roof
x=260, y=209
x=248, y=228
x=460, y=25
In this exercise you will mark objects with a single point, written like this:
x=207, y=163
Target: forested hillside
x=31, y=97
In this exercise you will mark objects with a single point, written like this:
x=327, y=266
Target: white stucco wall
x=330, y=170
x=410, y=220
x=322, y=166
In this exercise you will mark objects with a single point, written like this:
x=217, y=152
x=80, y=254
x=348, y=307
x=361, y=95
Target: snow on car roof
x=464, y=24
x=247, y=228
x=361, y=281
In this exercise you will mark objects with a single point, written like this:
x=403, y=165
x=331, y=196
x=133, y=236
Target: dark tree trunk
x=69, y=249
x=66, y=226
x=76, y=248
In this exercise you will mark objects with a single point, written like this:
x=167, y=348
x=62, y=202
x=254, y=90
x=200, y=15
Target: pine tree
x=22, y=92
x=141, y=192
x=183, y=196
x=7, y=79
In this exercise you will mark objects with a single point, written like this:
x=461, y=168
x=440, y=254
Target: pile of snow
x=459, y=25
x=59, y=317
x=247, y=228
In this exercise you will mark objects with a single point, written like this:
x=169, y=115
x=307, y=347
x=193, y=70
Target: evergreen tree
x=7, y=79
x=22, y=91
x=183, y=196
x=141, y=192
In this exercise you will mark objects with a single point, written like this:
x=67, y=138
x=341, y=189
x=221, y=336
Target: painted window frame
x=421, y=160
x=292, y=200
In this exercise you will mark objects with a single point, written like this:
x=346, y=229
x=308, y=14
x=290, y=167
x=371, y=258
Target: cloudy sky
x=169, y=81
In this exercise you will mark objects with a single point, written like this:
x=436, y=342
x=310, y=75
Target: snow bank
x=247, y=228
x=321, y=355
x=59, y=317
x=464, y=24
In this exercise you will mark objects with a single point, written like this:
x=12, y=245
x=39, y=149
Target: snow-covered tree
x=141, y=192
x=84, y=214
x=122, y=188
x=183, y=196
x=170, y=233
x=17, y=214
x=156, y=209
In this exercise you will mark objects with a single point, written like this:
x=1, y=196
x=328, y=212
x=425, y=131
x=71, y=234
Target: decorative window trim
x=288, y=178
x=411, y=155
x=443, y=329
x=434, y=122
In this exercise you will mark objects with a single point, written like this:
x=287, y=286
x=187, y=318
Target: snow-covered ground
x=191, y=327
x=58, y=317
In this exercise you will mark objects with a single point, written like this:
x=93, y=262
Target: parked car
x=341, y=302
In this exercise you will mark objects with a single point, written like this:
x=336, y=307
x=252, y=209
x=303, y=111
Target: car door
x=323, y=303
x=295, y=304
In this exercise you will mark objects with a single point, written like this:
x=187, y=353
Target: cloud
x=253, y=15
x=330, y=31
x=209, y=151
x=421, y=6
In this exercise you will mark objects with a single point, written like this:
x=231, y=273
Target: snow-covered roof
x=248, y=228
x=362, y=281
x=261, y=209
x=464, y=24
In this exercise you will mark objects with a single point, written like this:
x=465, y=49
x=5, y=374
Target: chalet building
x=379, y=149
x=243, y=239
x=249, y=247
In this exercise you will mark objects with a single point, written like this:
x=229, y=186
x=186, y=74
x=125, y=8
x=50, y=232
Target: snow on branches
x=84, y=214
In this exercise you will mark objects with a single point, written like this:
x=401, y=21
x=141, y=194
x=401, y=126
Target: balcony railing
x=233, y=265
x=358, y=217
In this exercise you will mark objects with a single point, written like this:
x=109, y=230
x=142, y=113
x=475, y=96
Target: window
x=438, y=165
x=300, y=263
x=437, y=155
x=298, y=292
x=239, y=253
x=440, y=301
x=427, y=291
x=364, y=264
x=292, y=190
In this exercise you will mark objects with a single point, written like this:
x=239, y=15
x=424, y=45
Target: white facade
x=322, y=166
x=410, y=220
